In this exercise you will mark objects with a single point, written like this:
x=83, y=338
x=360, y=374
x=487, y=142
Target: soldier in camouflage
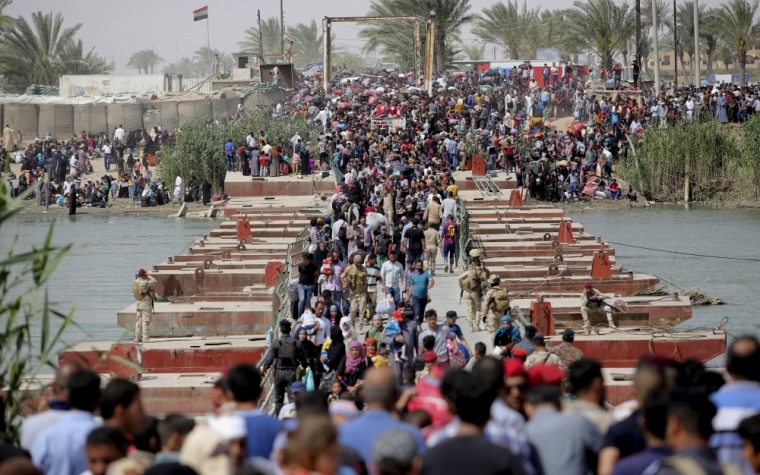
x=473, y=281
x=489, y=305
x=565, y=350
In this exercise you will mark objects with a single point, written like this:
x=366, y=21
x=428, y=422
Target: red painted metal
x=515, y=199
x=541, y=313
x=565, y=233
x=123, y=361
x=272, y=273
x=244, y=230
x=478, y=166
x=616, y=352
x=165, y=360
x=600, y=266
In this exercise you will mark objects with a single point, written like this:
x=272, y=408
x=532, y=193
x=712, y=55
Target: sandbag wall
x=65, y=120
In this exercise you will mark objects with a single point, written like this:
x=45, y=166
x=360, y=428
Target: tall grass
x=720, y=164
x=198, y=148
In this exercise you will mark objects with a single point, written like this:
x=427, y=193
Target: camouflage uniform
x=144, y=308
x=567, y=353
x=473, y=299
x=493, y=319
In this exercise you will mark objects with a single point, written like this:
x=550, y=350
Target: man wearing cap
x=142, y=289
x=473, y=282
x=289, y=410
x=541, y=356
x=566, y=351
x=355, y=279
x=495, y=304
x=288, y=353
x=456, y=330
x=591, y=300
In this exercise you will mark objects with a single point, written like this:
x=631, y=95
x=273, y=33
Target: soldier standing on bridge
x=288, y=353
x=473, y=282
x=288, y=53
x=142, y=289
x=495, y=303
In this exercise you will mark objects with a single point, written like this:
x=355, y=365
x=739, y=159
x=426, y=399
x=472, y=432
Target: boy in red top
x=614, y=189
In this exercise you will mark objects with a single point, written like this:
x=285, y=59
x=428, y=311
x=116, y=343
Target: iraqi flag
x=200, y=14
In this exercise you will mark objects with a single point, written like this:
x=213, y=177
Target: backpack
x=342, y=233
x=136, y=292
x=500, y=301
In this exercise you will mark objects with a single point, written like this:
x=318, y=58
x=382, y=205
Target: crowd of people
x=56, y=172
x=516, y=415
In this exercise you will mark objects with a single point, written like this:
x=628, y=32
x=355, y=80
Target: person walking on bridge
x=142, y=289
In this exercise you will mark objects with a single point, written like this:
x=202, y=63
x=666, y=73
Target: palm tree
x=270, y=33
x=5, y=20
x=739, y=30
x=474, y=51
x=307, y=43
x=685, y=18
x=144, y=60
x=723, y=52
x=506, y=25
x=600, y=26
x=395, y=39
x=40, y=52
x=710, y=32
x=185, y=66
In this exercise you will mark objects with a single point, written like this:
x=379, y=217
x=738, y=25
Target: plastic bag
x=309, y=380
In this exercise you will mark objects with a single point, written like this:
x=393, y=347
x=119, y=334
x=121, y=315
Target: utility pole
x=675, y=44
x=261, y=38
x=696, y=57
x=282, y=32
x=638, y=38
x=656, y=50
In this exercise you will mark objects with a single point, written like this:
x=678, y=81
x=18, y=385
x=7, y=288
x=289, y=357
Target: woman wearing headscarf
x=351, y=370
x=370, y=347
x=337, y=350
x=348, y=330
x=376, y=331
x=505, y=337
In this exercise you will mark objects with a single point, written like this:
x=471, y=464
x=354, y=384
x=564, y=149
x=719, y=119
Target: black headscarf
x=337, y=349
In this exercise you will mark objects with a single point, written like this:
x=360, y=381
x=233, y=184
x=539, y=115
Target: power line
x=686, y=253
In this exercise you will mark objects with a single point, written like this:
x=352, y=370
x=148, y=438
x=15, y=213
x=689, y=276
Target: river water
x=697, y=230
x=96, y=276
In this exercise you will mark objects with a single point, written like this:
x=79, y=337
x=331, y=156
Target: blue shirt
x=420, y=284
x=456, y=330
x=360, y=433
x=228, y=147
x=60, y=449
x=636, y=464
x=262, y=430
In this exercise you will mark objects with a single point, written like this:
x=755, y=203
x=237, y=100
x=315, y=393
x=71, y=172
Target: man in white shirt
x=178, y=187
x=392, y=277
x=690, y=108
x=449, y=207
x=250, y=140
x=322, y=117
x=107, y=156
x=118, y=134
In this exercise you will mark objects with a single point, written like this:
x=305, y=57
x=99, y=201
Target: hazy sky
x=167, y=25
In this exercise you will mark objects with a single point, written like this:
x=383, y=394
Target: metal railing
x=338, y=175
x=281, y=309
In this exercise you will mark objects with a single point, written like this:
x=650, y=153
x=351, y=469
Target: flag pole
x=208, y=36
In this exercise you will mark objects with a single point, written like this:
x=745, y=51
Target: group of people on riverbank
x=497, y=416
x=53, y=168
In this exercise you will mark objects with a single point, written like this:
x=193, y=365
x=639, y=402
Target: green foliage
x=144, y=61
x=40, y=52
x=24, y=354
x=198, y=149
x=721, y=167
x=270, y=34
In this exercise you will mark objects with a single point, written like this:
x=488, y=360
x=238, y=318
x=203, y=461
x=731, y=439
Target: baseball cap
x=297, y=387
x=568, y=333
x=451, y=314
